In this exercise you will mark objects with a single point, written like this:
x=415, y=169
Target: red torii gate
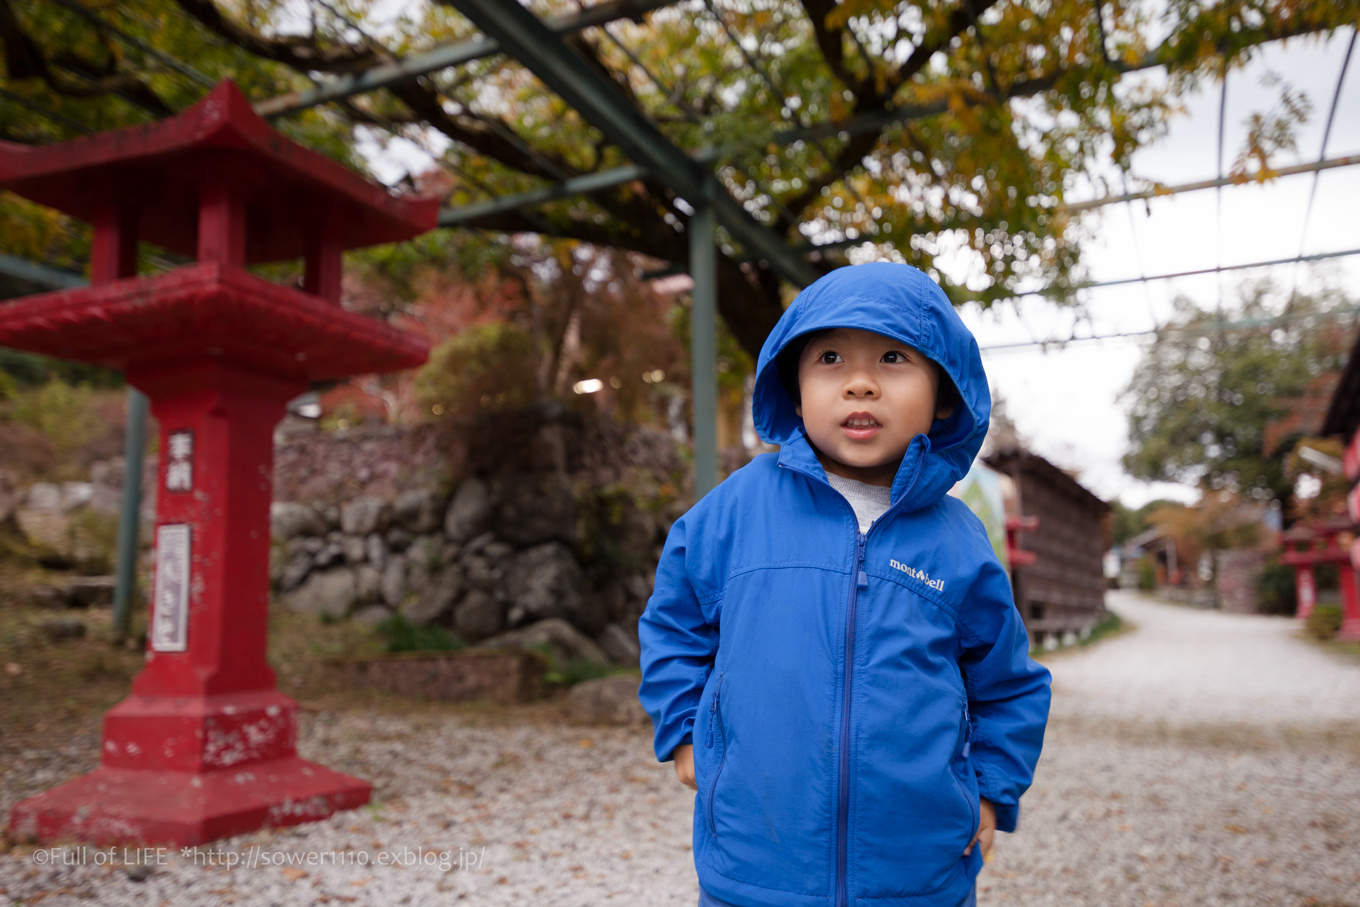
x=205, y=745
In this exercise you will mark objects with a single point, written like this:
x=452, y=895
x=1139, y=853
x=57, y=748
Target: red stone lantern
x=204, y=747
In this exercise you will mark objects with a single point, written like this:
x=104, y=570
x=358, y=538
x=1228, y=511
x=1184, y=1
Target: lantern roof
x=160, y=168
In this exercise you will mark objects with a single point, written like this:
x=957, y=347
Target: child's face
x=864, y=397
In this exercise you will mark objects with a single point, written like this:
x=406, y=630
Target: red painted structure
x=1015, y=525
x=204, y=747
x=1319, y=543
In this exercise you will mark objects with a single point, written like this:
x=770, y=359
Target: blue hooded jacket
x=849, y=695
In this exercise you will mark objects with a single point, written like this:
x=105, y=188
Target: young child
x=832, y=655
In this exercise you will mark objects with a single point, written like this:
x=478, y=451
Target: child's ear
x=947, y=398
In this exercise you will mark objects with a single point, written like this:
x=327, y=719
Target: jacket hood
x=898, y=301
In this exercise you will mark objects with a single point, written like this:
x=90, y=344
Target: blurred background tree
x=1221, y=397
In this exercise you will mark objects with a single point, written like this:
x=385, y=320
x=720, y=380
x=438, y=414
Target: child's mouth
x=860, y=426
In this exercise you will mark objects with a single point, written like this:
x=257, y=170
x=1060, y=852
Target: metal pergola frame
x=508, y=27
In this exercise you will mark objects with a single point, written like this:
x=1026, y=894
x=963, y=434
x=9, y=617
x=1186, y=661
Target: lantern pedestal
x=205, y=747
x=248, y=776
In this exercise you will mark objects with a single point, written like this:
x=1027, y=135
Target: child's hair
x=787, y=364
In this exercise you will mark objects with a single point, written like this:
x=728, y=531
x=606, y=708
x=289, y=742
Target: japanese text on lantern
x=179, y=469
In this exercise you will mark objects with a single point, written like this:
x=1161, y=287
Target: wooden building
x=1063, y=591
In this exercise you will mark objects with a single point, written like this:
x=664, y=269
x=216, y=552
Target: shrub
x=1275, y=593
x=61, y=412
x=404, y=636
x=94, y=541
x=1147, y=574
x=568, y=673
x=1327, y=576
x=485, y=366
x=575, y=671
x=1324, y=622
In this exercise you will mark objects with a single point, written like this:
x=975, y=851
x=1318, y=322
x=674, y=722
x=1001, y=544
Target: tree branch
x=24, y=59
x=298, y=51
x=868, y=98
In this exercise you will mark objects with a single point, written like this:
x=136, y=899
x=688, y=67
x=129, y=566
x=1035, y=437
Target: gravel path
x=1202, y=759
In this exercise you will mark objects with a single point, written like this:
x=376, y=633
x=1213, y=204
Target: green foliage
x=1129, y=522
x=1275, y=591
x=94, y=541
x=1327, y=577
x=575, y=671
x=404, y=636
x=485, y=366
x=1147, y=574
x=61, y=412
x=30, y=370
x=1207, y=394
x=570, y=672
x=1324, y=622
x=405, y=269
x=1109, y=625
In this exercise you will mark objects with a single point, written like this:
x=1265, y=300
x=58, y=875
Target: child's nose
x=860, y=383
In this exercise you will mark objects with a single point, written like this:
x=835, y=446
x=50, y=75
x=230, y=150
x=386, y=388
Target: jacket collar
x=797, y=454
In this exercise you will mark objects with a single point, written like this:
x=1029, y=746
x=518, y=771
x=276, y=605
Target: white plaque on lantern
x=170, y=611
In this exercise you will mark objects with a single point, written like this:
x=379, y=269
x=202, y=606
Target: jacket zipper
x=715, y=717
x=861, y=579
x=843, y=807
x=964, y=752
x=967, y=730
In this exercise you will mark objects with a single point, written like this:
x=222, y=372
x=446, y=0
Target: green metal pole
x=134, y=448
x=703, y=268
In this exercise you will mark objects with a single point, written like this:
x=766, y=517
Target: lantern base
x=185, y=809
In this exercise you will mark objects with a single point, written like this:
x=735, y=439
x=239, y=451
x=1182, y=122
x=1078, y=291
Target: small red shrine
x=205, y=746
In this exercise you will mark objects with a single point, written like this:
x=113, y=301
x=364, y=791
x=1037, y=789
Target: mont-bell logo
x=937, y=584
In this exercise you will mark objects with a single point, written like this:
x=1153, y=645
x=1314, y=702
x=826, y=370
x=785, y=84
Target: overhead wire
x=1137, y=252
x=1322, y=153
x=1160, y=332
x=1218, y=191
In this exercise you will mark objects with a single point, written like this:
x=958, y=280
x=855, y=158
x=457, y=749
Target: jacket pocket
x=720, y=739
x=961, y=763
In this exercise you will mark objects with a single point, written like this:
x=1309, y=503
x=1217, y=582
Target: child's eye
x=894, y=356
x=829, y=357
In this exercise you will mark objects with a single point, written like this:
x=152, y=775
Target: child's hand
x=684, y=766
x=986, y=826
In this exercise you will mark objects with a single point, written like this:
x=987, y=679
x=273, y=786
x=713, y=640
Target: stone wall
x=1236, y=574
x=534, y=528
x=73, y=524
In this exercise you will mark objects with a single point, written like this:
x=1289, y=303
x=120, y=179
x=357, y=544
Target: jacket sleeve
x=679, y=637
x=1008, y=692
